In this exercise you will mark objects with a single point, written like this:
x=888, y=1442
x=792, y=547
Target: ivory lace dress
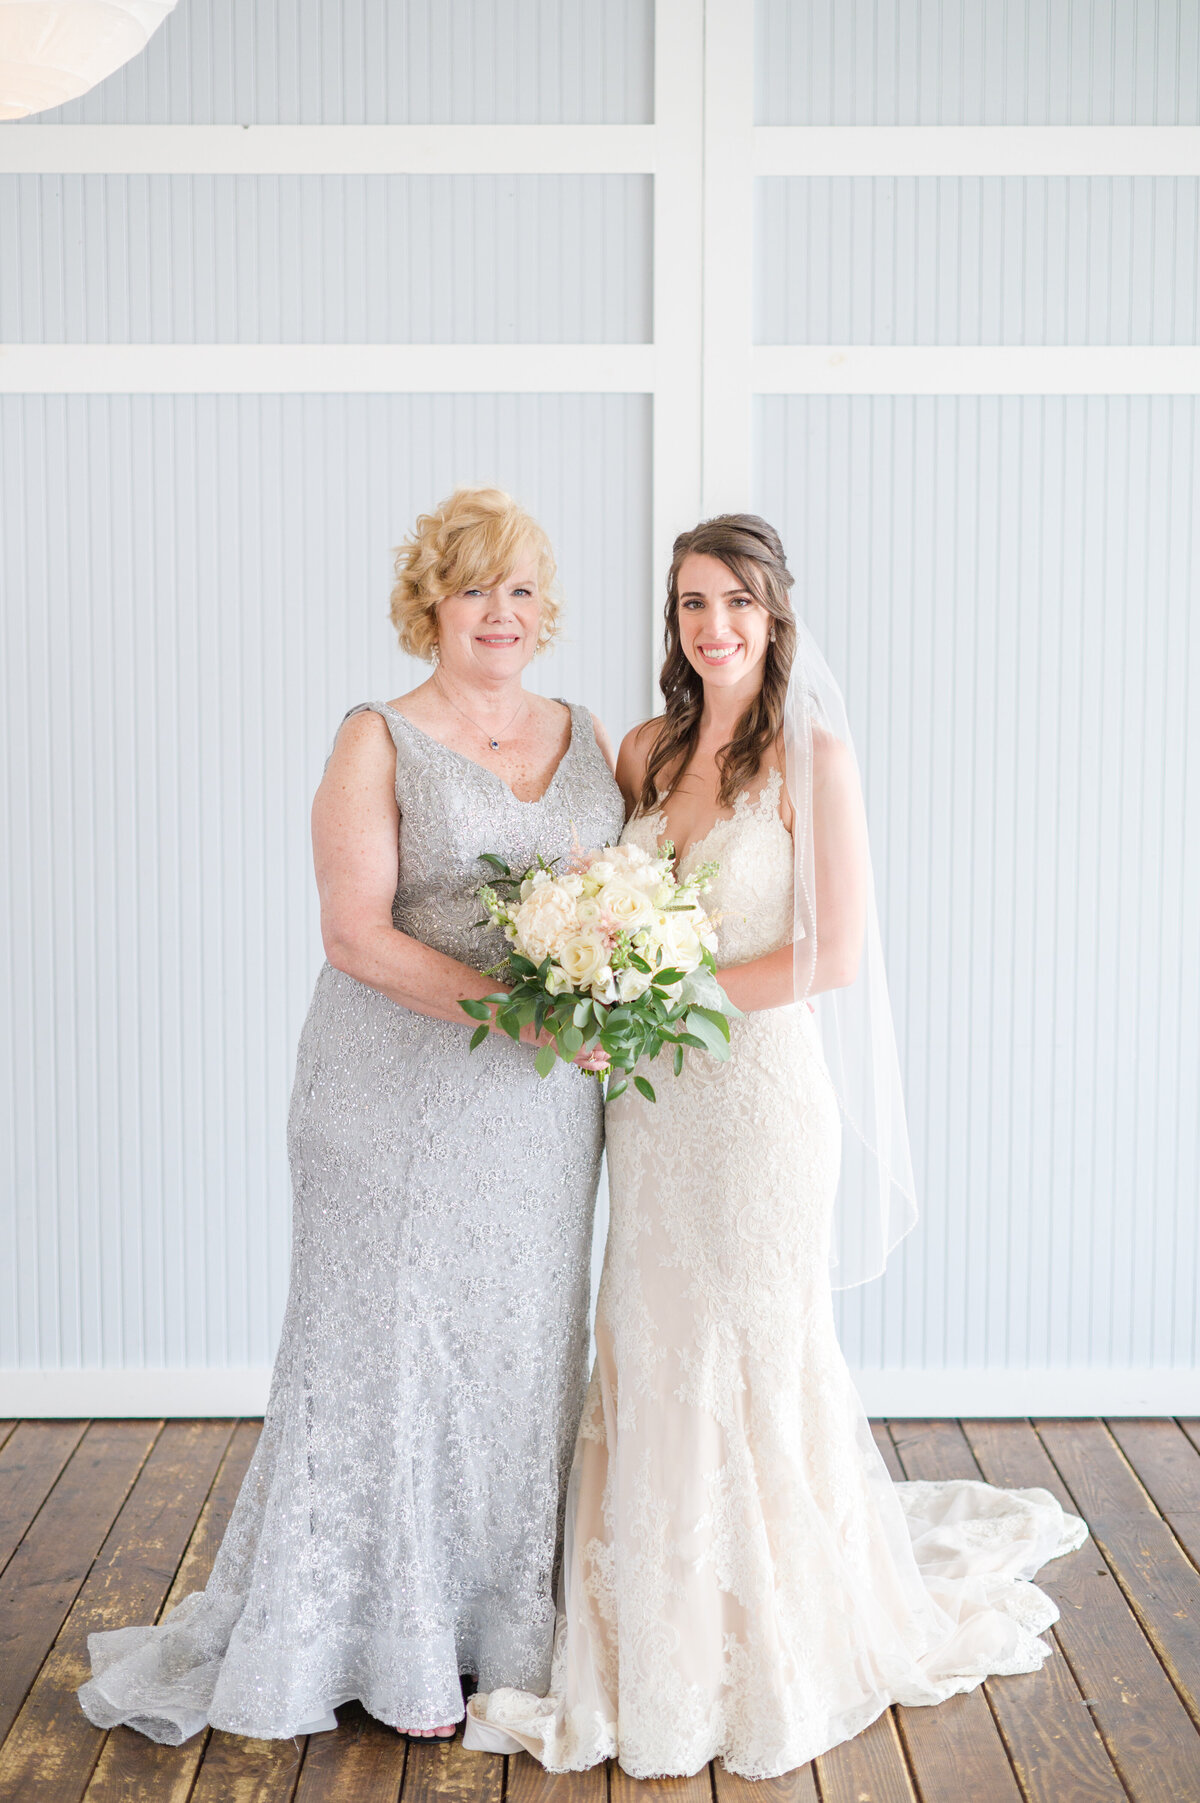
x=741, y=1577
x=400, y=1519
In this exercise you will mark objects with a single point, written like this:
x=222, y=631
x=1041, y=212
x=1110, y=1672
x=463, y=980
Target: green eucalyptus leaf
x=572, y=1042
x=477, y=1010
x=646, y=1089
x=699, y=1024
x=719, y=1021
x=678, y=1060
x=545, y=1061
x=478, y=1036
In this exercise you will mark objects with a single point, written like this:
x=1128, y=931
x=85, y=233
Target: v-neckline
x=475, y=763
x=660, y=818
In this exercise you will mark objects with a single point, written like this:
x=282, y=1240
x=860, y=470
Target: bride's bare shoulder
x=633, y=758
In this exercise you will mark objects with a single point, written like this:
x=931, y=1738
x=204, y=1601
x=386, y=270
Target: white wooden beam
x=977, y=150
x=976, y=369
x=327, y=149
x=326, y=368
x=678, y=274
x=728, y=253
x=593, y=149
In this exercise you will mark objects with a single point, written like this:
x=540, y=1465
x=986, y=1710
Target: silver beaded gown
x=400, y=1521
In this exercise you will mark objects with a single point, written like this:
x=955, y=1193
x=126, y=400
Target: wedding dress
x=741, y=1577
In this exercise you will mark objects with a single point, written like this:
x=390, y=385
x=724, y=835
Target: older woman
x=399, y=1523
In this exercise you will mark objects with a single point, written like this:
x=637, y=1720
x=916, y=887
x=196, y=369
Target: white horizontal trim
x=591, y=149
x=976, y=369
x=327, y=149
x=1098, y=1390
x=913, y=1393
x=587, y=369
x=977, y=150
x=70, y=1395
x=326, y=368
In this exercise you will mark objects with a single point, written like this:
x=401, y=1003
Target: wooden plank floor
x=108, y=1522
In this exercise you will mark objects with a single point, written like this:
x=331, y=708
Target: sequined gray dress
x=399, y=1522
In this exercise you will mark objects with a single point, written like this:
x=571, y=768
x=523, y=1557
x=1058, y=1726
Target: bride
x=741, y=1578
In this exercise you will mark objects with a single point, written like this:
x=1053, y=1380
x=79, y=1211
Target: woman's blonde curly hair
x=473, y=539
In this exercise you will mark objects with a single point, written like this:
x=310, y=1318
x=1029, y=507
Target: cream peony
x=631, y=984
x=544, y=920
x=582, y=957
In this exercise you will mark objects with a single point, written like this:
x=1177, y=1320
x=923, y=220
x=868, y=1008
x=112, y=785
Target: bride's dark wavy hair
x=752, y=552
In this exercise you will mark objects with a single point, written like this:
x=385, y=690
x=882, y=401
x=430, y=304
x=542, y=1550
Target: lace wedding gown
x=741, y=1577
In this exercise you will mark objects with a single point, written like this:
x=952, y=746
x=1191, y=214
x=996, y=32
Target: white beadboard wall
x=195, y=590
x=384, y=62
x=331, y=259
x=978, y=260
x=977, y=62
x=1009, y=586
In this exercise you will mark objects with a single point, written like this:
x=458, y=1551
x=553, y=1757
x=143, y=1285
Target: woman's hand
x=595, y=1061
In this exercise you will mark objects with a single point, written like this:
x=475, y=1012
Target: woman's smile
x=719, y=654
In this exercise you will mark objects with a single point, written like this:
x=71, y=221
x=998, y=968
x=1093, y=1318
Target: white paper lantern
x=51, y=53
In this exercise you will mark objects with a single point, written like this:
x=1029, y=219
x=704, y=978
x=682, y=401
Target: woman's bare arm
x=355, y=826
x=604, y=742
x=631, y=763
x=840, y=856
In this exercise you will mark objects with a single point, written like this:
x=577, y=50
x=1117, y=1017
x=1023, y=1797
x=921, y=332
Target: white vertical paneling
x=960, y=62
x=384, y=62
x=152, y=259
x=1008, y=588
x=978, y=260
x=195, y=591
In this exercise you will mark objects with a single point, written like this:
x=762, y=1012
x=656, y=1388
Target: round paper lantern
x=51, y=53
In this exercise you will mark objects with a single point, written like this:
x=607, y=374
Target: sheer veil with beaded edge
x=876, y=1199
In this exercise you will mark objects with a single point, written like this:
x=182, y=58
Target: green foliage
x=686, y=1010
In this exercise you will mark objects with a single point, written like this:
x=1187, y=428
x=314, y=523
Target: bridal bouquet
x=614, y=952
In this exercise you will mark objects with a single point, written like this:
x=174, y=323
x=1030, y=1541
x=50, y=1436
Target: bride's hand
x=596, y=1060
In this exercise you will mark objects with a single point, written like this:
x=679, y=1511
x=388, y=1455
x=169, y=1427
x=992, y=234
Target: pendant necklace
x=494, y=743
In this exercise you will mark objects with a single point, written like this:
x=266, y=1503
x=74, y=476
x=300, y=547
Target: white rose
x=587, y=910
x=582, y=958
x=628, y=907
x=538, y=880
x=604, y=985
x=571, y=884
x=544, y=920
x=557, y=981
x=631, y=984
x=602, y=871
x=685, y=941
